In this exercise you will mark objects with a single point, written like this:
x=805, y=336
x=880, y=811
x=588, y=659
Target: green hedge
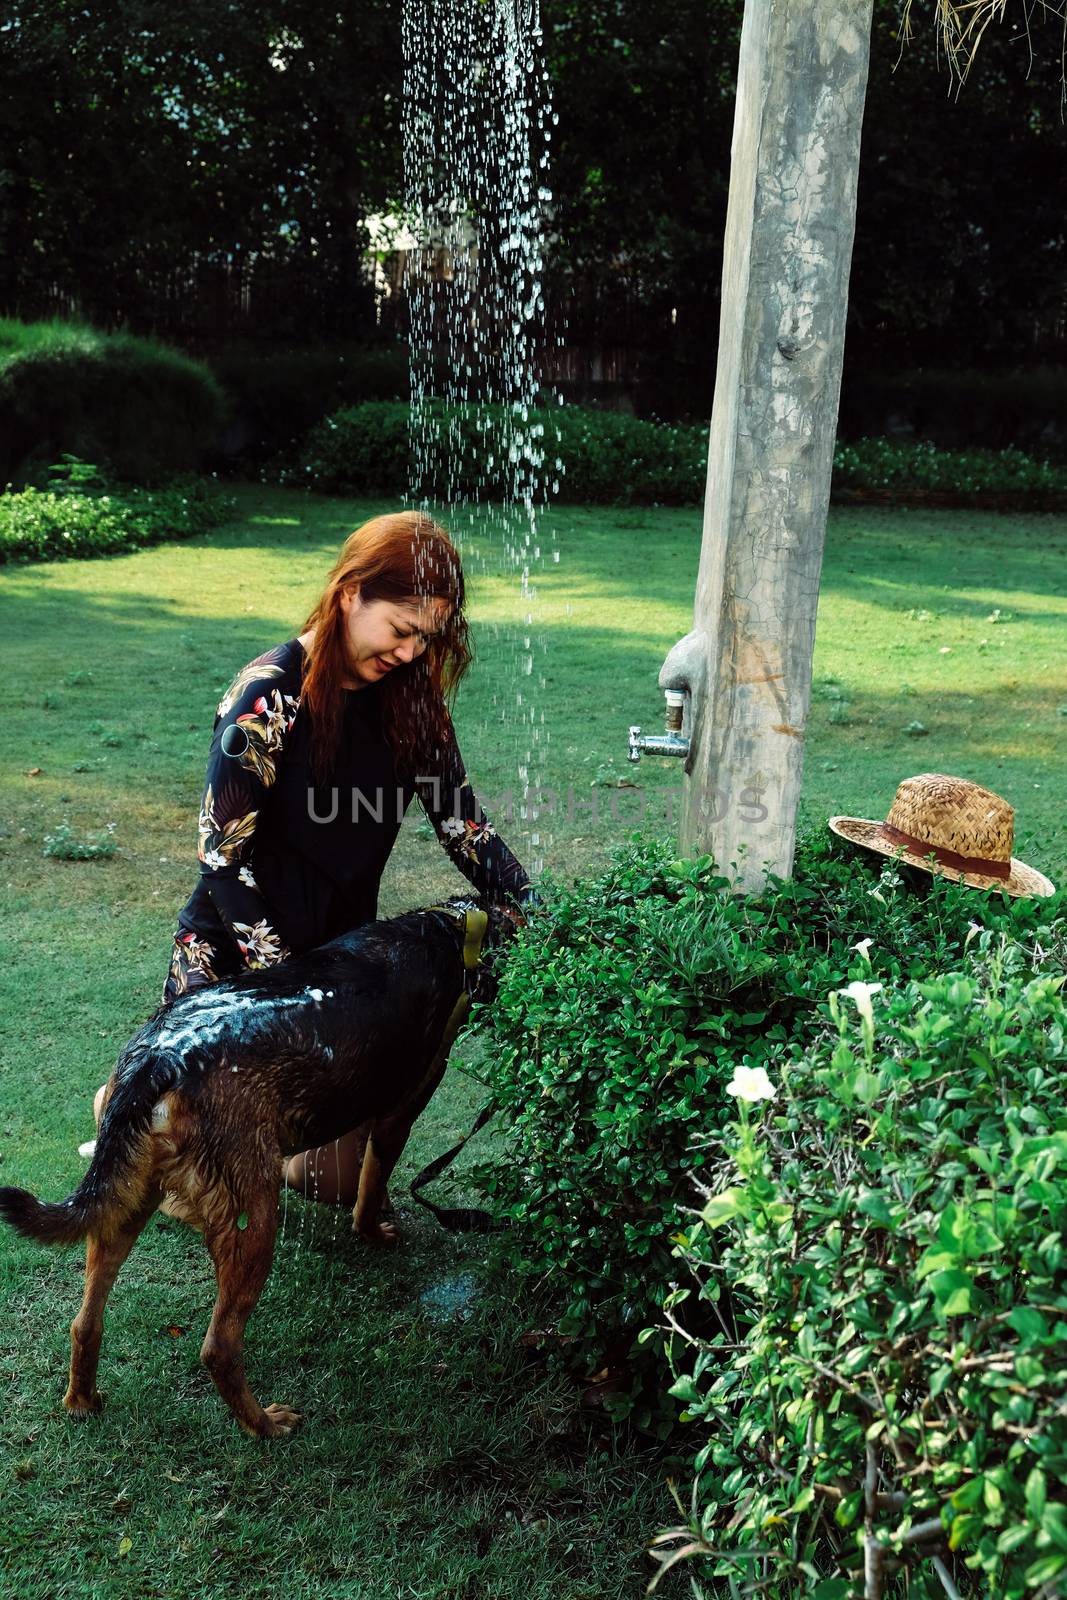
x=605, y=458
x=77, y=515
x=918, y=473
x=359, y=450
x=884, y=1255
x=596, y=457
x=132, y=405
x=619, y=1020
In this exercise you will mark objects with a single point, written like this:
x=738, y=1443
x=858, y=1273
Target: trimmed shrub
x=276, y=396
x=595, y=457
x=883, y=1252
x=619, y=1020
x=359, y=450
x=78, y=516
x=603, y=458
x=139, y=409
x=919, y=474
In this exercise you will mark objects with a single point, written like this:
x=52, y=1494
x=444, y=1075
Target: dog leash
x=460, y=1219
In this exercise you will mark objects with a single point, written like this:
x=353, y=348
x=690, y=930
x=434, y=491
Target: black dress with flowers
x=286, y=863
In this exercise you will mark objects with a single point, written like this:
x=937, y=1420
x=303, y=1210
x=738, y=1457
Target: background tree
x=159, y=159
x=957, y=189
x=961, y=234
x=639, y=173
x=204, y=170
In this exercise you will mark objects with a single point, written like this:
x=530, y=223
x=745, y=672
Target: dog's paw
x=383, y=1235
x=81, y=1406
x=282, y=1420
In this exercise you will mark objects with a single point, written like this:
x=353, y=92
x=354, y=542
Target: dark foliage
x=206, y=173
x=276, y=396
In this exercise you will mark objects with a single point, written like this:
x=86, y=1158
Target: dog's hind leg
x=242, y=1258
x=103, y=1261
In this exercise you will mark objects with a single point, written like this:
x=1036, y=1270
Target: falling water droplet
x=478, y=203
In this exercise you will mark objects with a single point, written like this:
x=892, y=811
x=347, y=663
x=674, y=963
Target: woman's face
x=383, y=634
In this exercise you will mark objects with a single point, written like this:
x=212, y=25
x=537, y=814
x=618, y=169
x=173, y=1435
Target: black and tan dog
x=215, y=1091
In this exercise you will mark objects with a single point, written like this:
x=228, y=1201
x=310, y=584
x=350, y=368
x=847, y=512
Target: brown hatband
x=945, y=858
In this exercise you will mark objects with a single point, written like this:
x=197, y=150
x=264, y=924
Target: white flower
x=863, y=946
x=751, y=1084
x=860, y=993
x=453, y=827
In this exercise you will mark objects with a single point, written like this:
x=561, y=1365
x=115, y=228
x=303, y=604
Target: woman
x=318, y=747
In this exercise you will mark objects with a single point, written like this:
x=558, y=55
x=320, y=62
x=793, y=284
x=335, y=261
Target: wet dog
x=215, y=1091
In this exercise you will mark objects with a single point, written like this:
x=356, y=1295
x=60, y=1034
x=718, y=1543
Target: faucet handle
x=635, y=747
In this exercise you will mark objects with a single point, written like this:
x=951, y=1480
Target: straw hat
x=953, y=828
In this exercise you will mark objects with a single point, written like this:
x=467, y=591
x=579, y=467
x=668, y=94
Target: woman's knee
x=330, y=1173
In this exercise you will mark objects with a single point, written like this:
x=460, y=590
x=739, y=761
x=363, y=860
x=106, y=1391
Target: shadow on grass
x=947, y=558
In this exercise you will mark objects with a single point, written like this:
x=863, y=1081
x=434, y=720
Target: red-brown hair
x=402, y=556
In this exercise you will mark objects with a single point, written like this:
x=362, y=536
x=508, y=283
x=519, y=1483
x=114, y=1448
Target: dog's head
x=503, y=923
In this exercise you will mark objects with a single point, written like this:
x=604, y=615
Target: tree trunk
x=801, y=83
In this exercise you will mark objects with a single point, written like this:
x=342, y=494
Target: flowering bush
x=882, y=1250
x=619, y=1021
x=78, y=516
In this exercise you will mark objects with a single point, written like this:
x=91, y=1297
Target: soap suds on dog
x=203, y=1022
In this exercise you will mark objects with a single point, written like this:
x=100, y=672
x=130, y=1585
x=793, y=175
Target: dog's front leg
x=384, y=1146
x=242, y=1258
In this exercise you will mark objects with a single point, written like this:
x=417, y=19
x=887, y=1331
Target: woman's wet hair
x=400, y=557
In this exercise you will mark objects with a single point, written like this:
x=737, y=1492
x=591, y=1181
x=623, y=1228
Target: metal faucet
x=671, y=743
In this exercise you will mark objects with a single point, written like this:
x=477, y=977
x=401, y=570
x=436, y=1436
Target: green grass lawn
x=435, y=1460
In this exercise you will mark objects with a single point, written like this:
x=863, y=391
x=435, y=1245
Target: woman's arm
x=251, y=725
x=467, y=833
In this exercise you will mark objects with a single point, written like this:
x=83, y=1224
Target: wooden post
x=790, y=223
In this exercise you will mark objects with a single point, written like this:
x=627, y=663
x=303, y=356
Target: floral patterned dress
x=287, y=863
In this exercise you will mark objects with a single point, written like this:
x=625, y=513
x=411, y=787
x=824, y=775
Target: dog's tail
x=120, y=1173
